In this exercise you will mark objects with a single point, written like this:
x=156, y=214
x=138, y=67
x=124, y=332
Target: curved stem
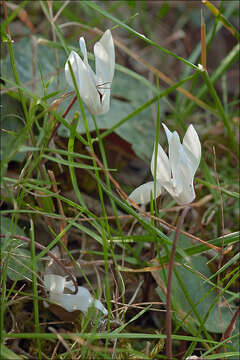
x=169, y=285
x=64, y=115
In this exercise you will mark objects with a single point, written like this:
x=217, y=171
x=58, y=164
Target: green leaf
x=11, y=120
x=19, y=264
x=45, y=61
x=14, y=251
x=201, y=294
x=6, y=228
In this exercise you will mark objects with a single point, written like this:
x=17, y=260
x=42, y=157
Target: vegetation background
x=64, y=180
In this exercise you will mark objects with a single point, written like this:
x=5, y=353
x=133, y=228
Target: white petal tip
x=99, y=306
x=142, y=194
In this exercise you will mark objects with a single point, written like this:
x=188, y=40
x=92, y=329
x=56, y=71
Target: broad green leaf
x=45, y=64
x=14, y=251
x=11, y=122
x=201, y=293
x=6, y=228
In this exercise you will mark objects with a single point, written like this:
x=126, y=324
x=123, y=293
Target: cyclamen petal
x=83, y=49
x=176, y=157
x=91, y=73
x=142, y=194
x=94, y=88
x=86, y=87
x=163, y=170
x=56, y=284
x=192, y=147
x=167, y=132
x=105, y=59
x=175, y=173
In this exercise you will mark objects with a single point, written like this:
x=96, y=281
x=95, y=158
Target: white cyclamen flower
x=174, y=172
x=56, y=285
x=94, y=88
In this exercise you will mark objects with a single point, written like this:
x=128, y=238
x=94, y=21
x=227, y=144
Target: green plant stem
x=34, y=284
x=169, y=286
x=63, y=116
x=221, y=111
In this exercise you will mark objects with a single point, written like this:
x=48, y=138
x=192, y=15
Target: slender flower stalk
x=94, y=88
x=174, y=172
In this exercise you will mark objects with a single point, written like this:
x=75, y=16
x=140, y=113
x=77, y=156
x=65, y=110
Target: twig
x=6, y=18
x=51, y=19
x=222, y=221
x=229, y=329
x=220, y=196
x=63, y=223
x=169, y=286
x=64, y=115
x=203, y=42
x=50, y=254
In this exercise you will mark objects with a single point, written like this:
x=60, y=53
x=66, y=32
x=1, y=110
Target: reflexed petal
x=192, y=148
x=80, y=301
x=54, y=283
x=176, y=158
x=84, y=82
x=83, y=49
x=77, y=66
x=167, y=132
x=192, y=143
x=86, y=87
x=163, y=171
x=85, y=59
x=100, y=307
x=142, y=194
x=105, y=60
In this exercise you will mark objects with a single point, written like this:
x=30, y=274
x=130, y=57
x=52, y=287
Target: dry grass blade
x=23, y=16
x=63, y=223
